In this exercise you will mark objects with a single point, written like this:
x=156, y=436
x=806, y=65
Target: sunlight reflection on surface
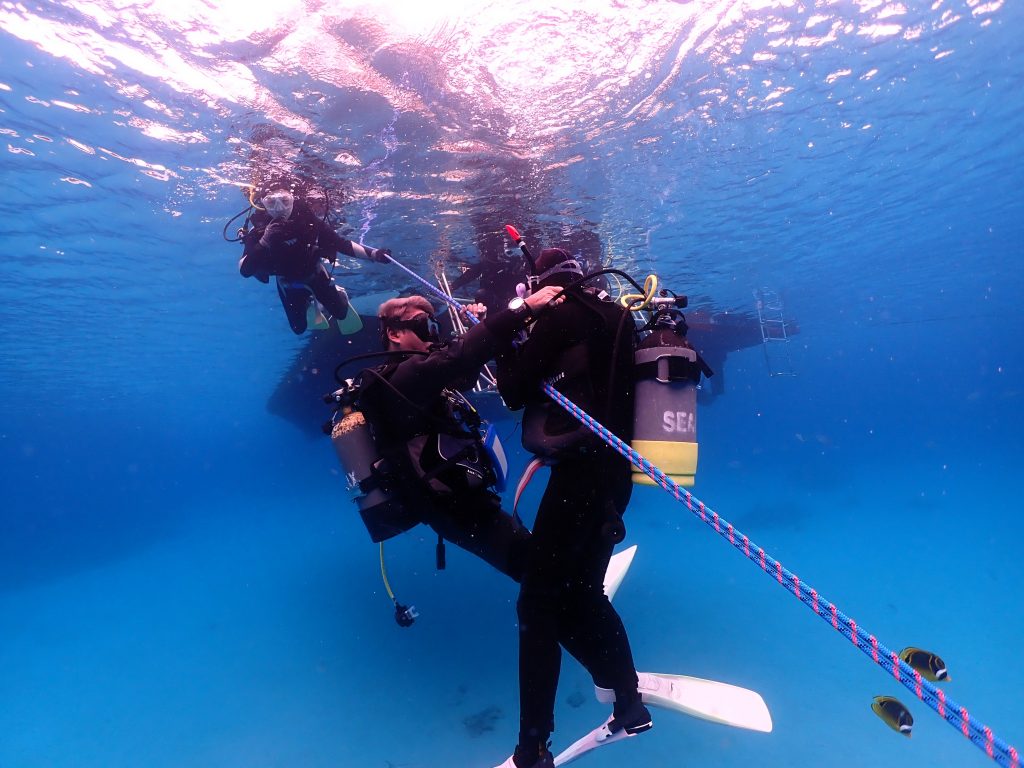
x=523, y=72
x=480, y=105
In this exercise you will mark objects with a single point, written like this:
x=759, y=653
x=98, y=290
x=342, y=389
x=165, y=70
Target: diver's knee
x=533, y=601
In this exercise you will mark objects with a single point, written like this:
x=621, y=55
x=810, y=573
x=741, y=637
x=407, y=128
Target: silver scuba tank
x=383, y=514
x=665, y=411
x=353, y=442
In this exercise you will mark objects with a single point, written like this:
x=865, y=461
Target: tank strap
x=671, y=364
x=668, y=369
x=377, y=478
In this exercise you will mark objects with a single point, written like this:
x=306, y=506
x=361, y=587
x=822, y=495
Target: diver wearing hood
x=289, y=241
x=585, y=347
x=428, y=434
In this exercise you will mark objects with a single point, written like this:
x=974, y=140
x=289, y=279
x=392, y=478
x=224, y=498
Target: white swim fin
x=617, y=568
x=599, y=737
x=706, y=699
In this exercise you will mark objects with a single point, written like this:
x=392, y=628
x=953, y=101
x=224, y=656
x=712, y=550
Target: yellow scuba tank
x=366, y=474
x=667, y=372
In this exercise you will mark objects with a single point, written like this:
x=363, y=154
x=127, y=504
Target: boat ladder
x=774, y=336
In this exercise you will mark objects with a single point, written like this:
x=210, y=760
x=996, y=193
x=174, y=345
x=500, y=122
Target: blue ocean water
x=183, y=580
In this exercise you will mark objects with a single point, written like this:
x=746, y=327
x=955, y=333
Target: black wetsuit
x=562, y=597
x=498, y=279
x=469, y=517
x=298, y=263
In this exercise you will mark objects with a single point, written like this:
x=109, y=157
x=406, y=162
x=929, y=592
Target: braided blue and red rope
x=956, y=715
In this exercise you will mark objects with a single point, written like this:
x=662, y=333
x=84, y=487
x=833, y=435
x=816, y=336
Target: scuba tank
x=383, y=514
x=667, y=371
x=366, y=473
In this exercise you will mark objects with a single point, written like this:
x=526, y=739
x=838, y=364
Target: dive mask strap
x=424, y=326
x=570, y=266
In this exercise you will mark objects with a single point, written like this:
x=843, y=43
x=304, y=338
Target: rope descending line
x=953, y=713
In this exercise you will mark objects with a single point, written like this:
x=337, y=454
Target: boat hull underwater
x=298, y=395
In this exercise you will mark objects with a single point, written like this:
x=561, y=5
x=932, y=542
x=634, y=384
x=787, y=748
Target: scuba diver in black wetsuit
x=585, y=344
x=501, y=267
x=433, y=465
x=289, y=241
x=498, y=275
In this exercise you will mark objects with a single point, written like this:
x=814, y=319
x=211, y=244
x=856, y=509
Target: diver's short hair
x=403, y=308
x=400, y=309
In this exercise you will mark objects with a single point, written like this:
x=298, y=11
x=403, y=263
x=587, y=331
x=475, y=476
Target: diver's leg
x=476, y=522
x=331, y=297
x=591, y=493
x=540, y=661
x=294, y=301
x=539, y=607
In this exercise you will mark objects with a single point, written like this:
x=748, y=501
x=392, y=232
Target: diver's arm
x=467, y=277
x=338, y=244
x=421, y=378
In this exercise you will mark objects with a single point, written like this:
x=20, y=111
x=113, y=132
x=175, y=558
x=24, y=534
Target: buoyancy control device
x=467, y=458
x=442, y=461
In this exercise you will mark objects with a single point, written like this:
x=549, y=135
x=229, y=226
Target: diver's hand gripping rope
x=953, y=713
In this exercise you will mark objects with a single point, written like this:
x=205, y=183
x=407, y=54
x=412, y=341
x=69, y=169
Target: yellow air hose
x=629, y=300
x=384, y=575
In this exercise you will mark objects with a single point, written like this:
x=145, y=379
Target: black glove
x=275, y=233
x=380, y=255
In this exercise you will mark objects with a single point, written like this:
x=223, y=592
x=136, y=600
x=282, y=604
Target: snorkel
x=521, y=245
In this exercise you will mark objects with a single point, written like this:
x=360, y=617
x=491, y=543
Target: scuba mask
x=279, y=204
x=424, y=326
